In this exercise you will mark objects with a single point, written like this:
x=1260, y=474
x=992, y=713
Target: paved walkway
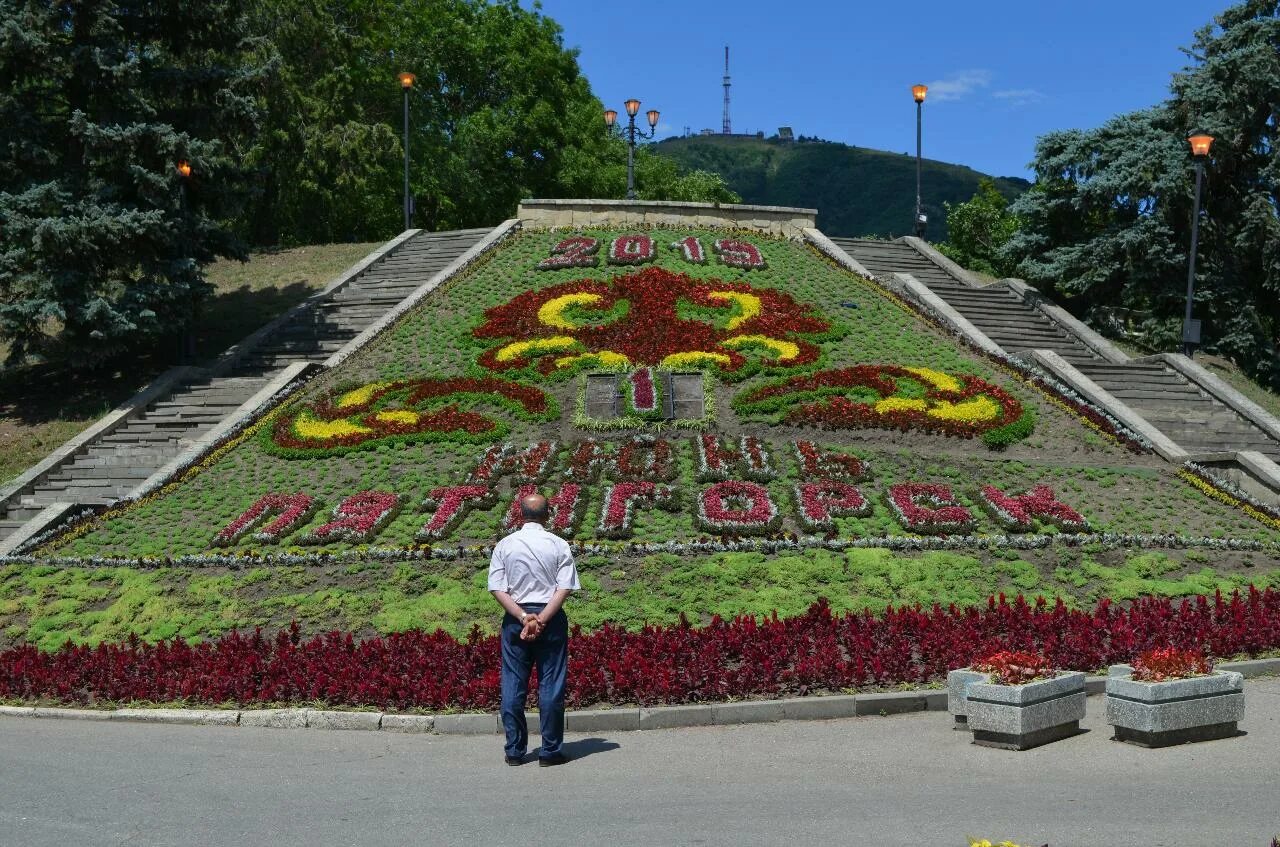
x=904, y=780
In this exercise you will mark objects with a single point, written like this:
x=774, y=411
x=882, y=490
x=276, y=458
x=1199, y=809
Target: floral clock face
x=654, y=317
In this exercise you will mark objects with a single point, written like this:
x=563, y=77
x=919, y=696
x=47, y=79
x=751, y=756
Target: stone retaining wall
x=775, y=220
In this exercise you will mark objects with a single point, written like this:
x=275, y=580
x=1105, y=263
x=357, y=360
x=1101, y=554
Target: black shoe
x=514, y=760
x=555, y=759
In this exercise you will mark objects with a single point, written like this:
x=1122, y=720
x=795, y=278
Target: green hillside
x=856, y=191
x=774, y=429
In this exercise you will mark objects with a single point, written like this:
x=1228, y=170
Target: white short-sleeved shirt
x=531, y=564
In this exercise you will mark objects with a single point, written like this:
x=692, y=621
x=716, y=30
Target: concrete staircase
x=1185, y=412
x=110, y=466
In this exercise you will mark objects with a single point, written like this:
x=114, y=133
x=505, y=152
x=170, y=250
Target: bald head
x=534, y=508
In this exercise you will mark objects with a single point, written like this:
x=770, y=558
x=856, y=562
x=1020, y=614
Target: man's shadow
x=584, y=747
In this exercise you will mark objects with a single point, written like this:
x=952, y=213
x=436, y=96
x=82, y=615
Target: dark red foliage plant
x=818, y=651
x=1165, y=663
x=1015, y=667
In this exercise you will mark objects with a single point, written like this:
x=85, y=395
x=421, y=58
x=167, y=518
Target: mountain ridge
x=858, y=191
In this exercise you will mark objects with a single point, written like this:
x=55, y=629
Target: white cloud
x=958, y=85
x=1019, y=96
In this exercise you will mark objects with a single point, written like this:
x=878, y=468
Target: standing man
x=531, y=575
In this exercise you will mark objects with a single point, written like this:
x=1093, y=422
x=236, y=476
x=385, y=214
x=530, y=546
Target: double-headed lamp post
x=918, y=93
x=1200, y=142
x=406, y=83
x=630, y=133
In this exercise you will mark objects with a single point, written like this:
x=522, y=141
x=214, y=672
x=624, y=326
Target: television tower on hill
x=726, y=128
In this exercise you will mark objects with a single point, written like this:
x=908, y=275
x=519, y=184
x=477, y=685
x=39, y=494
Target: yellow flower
x=519, y=349
x=981, y=408
x=398, y=416
x=695, y=359
x=551, y=312
x=900, y=404
x=361, y=395
x=604, y=359
x=785, y=349
x=938, y=379
x=309, y=427
x=749, y=304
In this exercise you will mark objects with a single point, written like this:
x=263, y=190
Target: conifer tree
x=1108, y=222
x=102, y=240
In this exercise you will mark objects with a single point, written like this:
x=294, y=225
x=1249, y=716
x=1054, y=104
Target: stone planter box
x=957, y=700
x=1160, y=714
x=1019, y=717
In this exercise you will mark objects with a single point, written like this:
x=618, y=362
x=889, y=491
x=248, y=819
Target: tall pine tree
x=102, y=240
x=1108, y=222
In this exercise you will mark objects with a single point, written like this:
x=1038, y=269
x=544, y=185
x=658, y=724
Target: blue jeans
x=550, y=652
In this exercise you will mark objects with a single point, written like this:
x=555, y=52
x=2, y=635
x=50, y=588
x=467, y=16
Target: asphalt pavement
x=900, y=780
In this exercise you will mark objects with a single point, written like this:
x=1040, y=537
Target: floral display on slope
x=734, y=507
x=531, y=464
x=717, y=461
x=620, y=503
x=1016, y=513
x=402, y=411
x=890, y=397
x=577, y=252
x=691, y=249
x=290, y=510
x=634, y=249
x=816, y=463
x=357, y=518
x=818, y=504
x=643, y=398
x=929, y=509
x=567, y=507
x=452, y=503
x=739, y=254
x=652, y=317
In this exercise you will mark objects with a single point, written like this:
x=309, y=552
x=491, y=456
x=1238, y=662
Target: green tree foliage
x=98, y=101
x=978, y=230
x=1108, y=221
x=500, y=111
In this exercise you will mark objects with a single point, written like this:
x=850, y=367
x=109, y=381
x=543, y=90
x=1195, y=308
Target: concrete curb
x=1065, y=372
x=1095, y=342
x=595, y=720
x=924, y=295
x=50, y=516
x=834, y=252
x=927, y=250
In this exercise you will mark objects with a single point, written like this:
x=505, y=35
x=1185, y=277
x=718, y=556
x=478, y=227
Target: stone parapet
x=774, y=220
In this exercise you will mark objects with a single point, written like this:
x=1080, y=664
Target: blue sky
x=1001, y=73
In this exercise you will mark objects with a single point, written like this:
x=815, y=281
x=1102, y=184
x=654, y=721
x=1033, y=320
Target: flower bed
x=745, y=657
x=892, y=397
x=651, y=317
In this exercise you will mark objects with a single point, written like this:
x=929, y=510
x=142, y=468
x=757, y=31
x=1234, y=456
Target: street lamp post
x=1200, y=142
x=188, y=350
x=630, y=133
x=918, y=93
x=406, y=83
